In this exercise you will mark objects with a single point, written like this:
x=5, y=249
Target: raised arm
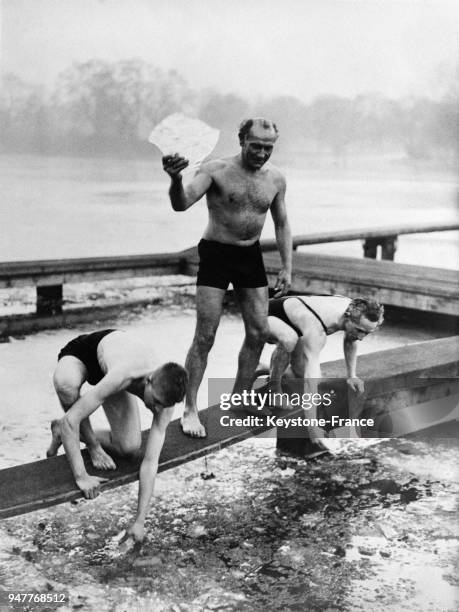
x=183, y=197
x=148, y=470
x=283, y=239
x=113, y=382
x=350, y=357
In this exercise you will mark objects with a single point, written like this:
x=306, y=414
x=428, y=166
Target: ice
x=190, y=138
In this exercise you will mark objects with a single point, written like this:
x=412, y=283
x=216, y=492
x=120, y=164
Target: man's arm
x=148, y=470
x=283, y=239
x=113, y=382
x=350, y=357
x=183, y=197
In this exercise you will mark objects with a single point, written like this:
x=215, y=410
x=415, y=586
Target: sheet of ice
x=188, y=137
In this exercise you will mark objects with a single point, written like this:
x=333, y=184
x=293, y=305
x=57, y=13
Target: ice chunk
x=190, y=138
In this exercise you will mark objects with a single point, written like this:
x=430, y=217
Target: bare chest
x=246, y=194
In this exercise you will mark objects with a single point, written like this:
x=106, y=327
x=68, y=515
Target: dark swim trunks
x=84, y=348
x=221, y=264
x=276, y=309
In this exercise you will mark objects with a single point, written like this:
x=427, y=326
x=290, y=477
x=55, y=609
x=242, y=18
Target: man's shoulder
x=275, y=173
x=212, y=166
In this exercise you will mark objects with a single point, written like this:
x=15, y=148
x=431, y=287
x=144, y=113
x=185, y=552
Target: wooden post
x=370, y=247
x=388, y=247
x=49, y=300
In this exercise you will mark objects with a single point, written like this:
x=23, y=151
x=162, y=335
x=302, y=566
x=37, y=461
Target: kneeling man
x=119, y=369
x=300, y=324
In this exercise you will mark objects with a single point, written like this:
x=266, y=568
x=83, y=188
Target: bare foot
x=56, y=440
x=100, y=459
x=262, y=370
x=192, y=426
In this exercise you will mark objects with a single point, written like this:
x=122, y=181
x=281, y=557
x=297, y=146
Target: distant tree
x=334, y=124
x=224, y=112
x=291, y=116
x=23, y=115
x=117, y=103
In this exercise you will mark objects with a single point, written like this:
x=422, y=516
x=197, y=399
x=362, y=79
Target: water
x=74, y=207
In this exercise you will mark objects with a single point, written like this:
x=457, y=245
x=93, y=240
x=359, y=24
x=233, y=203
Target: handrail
x=370, y=233
x=12, y=270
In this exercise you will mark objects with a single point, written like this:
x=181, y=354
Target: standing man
x=240, y=190
x=119, y=369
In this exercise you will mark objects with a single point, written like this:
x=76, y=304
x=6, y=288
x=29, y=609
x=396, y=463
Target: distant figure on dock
x=300, y=324
x=120, y=370
x=240, y=190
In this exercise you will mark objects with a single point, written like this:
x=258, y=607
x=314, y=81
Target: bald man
x=239, y=190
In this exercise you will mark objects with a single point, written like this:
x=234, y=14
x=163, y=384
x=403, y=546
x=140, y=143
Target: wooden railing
x=49, y=276
x=386, y=237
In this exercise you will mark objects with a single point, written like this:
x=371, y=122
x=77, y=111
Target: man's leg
x=286, y=340
x=254, y=309
x=124, y=437
x=69, y=376
x=209, y=304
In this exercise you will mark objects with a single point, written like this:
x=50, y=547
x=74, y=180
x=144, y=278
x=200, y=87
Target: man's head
x=362, y=317
x=257, y=137
x=165, y=386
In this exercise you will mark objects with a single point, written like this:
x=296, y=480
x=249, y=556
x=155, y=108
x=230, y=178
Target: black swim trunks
x=84, y=348
x=276, y=309
x=221, y=264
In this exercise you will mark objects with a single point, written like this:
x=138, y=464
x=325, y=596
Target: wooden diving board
x=415, y=374
x=395, y=284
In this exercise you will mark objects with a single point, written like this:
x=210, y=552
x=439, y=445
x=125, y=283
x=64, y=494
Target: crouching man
x=119, y=369
x=300, y=324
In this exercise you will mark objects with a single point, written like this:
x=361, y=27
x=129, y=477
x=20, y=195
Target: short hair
x=172, y=379
x=247, y=125
x=371, y=309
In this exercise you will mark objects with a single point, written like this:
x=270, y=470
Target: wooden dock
x=407, y=389
x=395, y=284
x=406, y=286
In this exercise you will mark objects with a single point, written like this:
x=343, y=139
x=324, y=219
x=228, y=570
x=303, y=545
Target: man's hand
x=316, y=435
x=356, y=384
x=137, y=532
x=90, y=485
x=174, y=164
x=283, y=282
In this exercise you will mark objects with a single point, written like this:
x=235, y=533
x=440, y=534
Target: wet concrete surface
x=374, y=528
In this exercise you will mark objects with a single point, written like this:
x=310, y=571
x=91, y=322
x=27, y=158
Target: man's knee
x=257, y=335
x=204, y=340
x=287, y=345
x=67, y=392
x=129, y=448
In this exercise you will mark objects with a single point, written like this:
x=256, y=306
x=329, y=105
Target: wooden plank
x=417, y=287
x=403, y=285
x=11, y=325
x=58, y=271
x=48, y=482
x=372, y=272
x=362, y=234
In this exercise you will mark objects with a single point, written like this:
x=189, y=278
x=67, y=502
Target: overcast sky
x=251, y=47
